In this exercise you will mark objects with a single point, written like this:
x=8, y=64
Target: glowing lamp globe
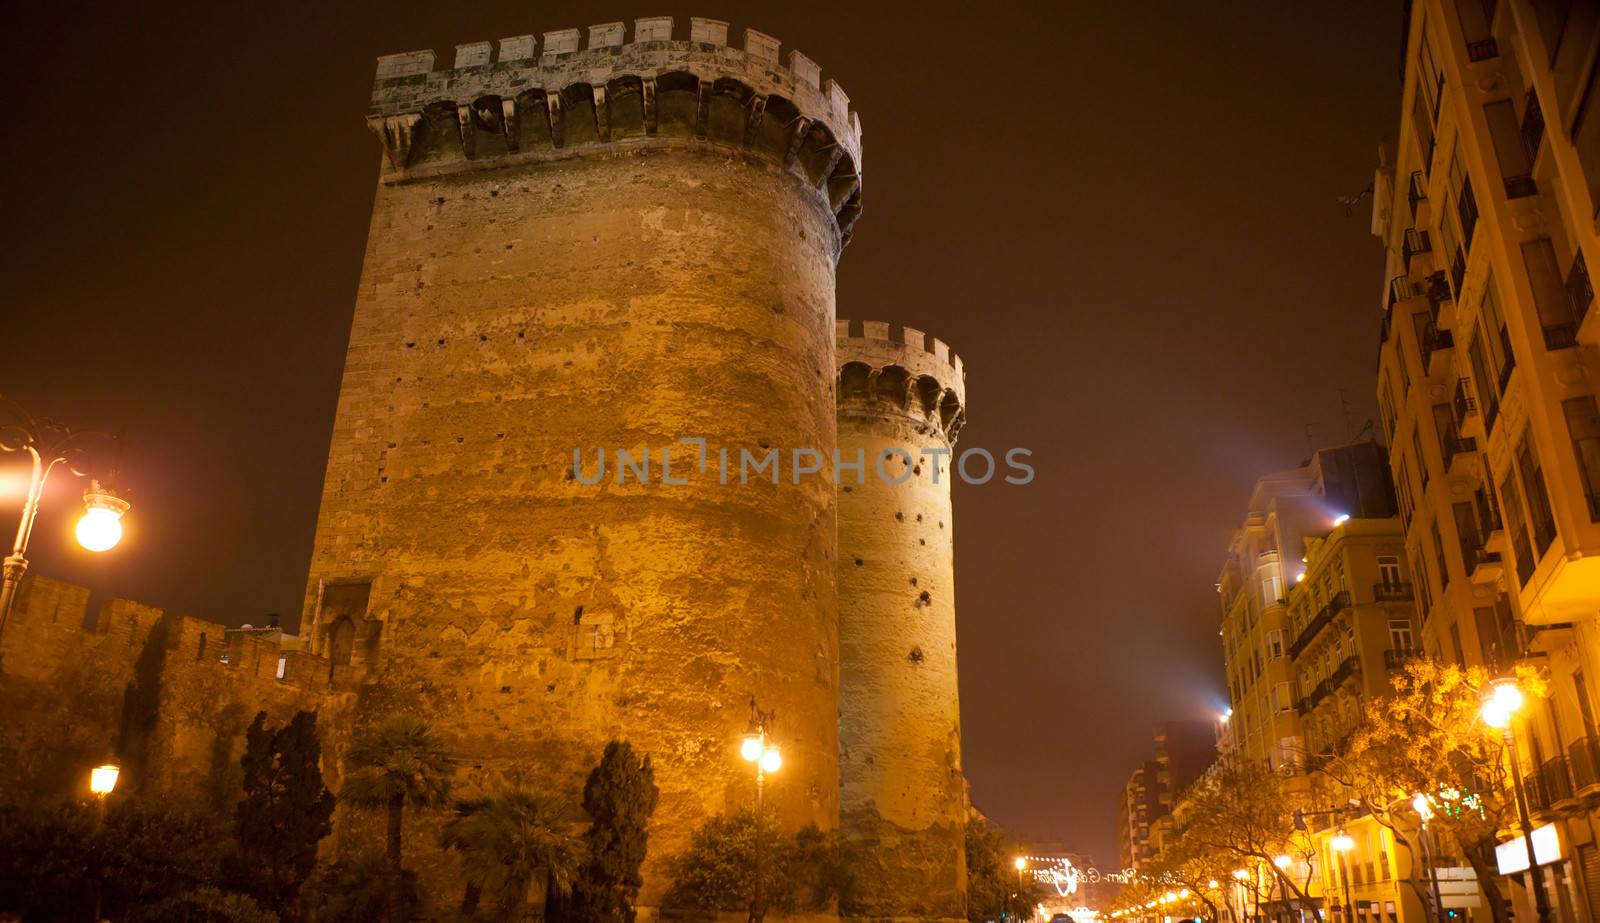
x=1240, y=874
x=1282, y=862
x=103, y=779
x=1212, y=884
x=101, y=526
x=1342, y=842
x=1020, y=863
x=1422, y=806
x=750, y=748
x=771, y=760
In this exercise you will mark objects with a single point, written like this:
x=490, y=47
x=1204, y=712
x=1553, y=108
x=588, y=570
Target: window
x=1389, y=571
x=1509, y=148
x=1430, y=77
x=1282, y=701
x=1497, y=634
x=1275, y=647
x=1455, y=644
x=1550, y=294
x=1388, y=408
x=1486, y=387
x=1585, y=706
x=1438, y=553
x=1419, y=566
x=1466, y=202
x=1400, y=637
x=1422, y=460
x=1583, y=427
x=1532, y=472
x=1402, y=483
x=1516, y=526
x=1444, y=424
x=1586, y=136
x=1467, y=534
x=1271, y=590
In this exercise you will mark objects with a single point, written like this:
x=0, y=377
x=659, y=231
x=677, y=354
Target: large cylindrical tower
x=582, y=250
x=902, y=399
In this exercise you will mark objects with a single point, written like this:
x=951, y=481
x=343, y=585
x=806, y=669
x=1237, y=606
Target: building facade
x=1183, y=751
x=1486, y=203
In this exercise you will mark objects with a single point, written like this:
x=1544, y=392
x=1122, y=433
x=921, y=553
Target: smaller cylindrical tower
x=902, y=399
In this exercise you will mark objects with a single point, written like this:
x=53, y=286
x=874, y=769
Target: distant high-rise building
x=1183, y=752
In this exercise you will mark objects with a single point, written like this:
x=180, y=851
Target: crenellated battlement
x=547, y=96
x=49, y=628
x=878, y=361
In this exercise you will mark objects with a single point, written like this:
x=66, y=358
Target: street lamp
x=1342, y=843
x=1502, y=702
x=757, y=748
x=47, y=445
x=1423, y=805
x=102, y=781
x=1020, y=863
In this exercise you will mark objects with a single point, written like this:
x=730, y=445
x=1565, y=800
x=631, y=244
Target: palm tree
x=505, y=840
x=396, y=763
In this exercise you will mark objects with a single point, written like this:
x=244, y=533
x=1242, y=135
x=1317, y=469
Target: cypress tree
x=286, y=809
x=619, y=797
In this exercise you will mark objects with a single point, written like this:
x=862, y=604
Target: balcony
x=1468, y=422
x=1397, y=660
x=1521, y=187
x=1560, y=336
x=1415, y=242
x=1350, y=666
x=1454, y=445
x=1580, y=291
x=1532, y=125
x=1482, y=50
x=1584, y=758
x=1553, y=782
x=1417, y=194
x=1339, y=603
x=1435, y=341
x=1486, y=566
x=1458, y=270
x=1392, y=592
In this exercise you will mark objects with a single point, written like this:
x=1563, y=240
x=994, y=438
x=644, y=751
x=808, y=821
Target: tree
x=995, y=887
x=141, y=708
x=802, y=871
x=398, y=762
x=357, y=889
x=204, y=905
x=1428, y=738
x=504, y=841
x=56, y=854
x=286, y=808
x=1198, y=869
x=619, y=797
x=1246, y=810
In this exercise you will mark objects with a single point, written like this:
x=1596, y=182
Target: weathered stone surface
x=903, y=796
x=613, y=260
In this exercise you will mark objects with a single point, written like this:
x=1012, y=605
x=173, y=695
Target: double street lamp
x=1500, y=705
x=48, y=445
x=757, y=748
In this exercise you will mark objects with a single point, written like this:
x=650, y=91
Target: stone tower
x=903, y=804
x=582, y=248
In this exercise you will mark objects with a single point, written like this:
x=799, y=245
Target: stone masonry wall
x=610, y=248
x=62, y=686
x=903, y=796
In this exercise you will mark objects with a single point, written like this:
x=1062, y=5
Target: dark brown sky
x=1123, y=216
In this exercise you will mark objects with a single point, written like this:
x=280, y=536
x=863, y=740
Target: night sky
x=1125, y=217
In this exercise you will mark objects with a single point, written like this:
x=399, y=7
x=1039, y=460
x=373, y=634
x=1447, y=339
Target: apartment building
x=1487, y=203
x=1183, y=751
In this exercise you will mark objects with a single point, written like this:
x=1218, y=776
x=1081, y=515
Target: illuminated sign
x=1512, y=856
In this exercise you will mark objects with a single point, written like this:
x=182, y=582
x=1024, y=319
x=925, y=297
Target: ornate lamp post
x=757, y=748
x=1342, y=843
x=1423, y=805
x=102, y=781
x=1503, y=701
x=47, y=445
